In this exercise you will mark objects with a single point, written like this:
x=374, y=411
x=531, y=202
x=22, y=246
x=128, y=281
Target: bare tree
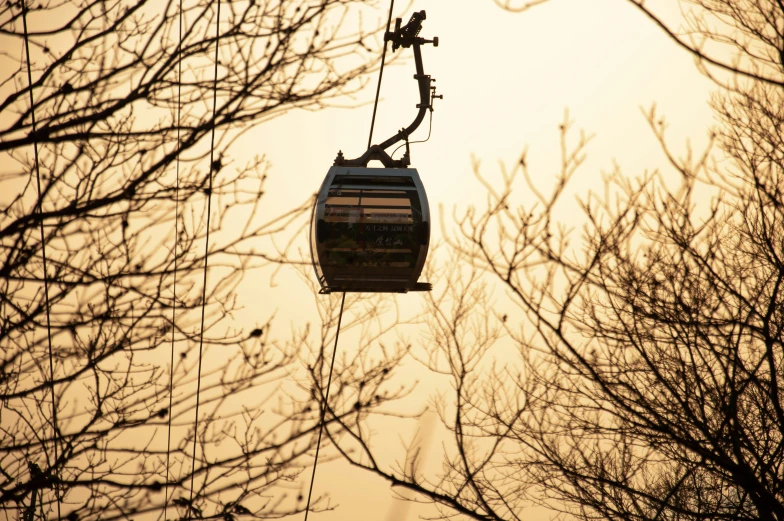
x=461, y=334
x=647, y=380
x=651, y=354
x=105, y=274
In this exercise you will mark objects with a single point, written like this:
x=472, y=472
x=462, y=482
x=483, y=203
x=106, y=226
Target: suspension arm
x=402, y=37
x=424, y=81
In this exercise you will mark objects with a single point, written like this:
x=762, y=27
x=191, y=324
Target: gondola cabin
x=370, y=230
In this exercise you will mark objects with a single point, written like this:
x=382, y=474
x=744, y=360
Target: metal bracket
x=406, y=36
x=374, y=153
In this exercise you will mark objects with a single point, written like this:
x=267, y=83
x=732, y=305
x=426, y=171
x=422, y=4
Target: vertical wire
x=343, y=299
x=43, y=254
x=324, y=407
x=380, y=74
x=206, y=252
x=176, y=240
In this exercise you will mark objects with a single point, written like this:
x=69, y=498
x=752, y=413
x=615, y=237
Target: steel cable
x=174, y=285
x=324, y=407
x=206, y=252
x=380, y=73
x=343, y=298
x=43, y=255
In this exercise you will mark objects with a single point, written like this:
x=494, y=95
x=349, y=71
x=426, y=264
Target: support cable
x=43, y=254
x=176, y=240
x=380, y=74
x=343, y=298
x=206, y=252
x=324, y=407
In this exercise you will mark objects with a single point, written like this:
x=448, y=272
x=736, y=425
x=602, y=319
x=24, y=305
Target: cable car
x=370, y=228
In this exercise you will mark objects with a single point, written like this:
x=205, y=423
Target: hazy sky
x=507, y=80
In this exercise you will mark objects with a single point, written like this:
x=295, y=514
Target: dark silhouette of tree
x=123, y=142
x=649, y=345
x=462, y=332
x=650, y=367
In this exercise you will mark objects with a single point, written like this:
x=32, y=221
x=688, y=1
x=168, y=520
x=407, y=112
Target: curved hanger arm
x=402, y=37
x=424, y=81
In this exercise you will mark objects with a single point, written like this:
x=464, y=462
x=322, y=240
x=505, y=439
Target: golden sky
x=507, y=80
